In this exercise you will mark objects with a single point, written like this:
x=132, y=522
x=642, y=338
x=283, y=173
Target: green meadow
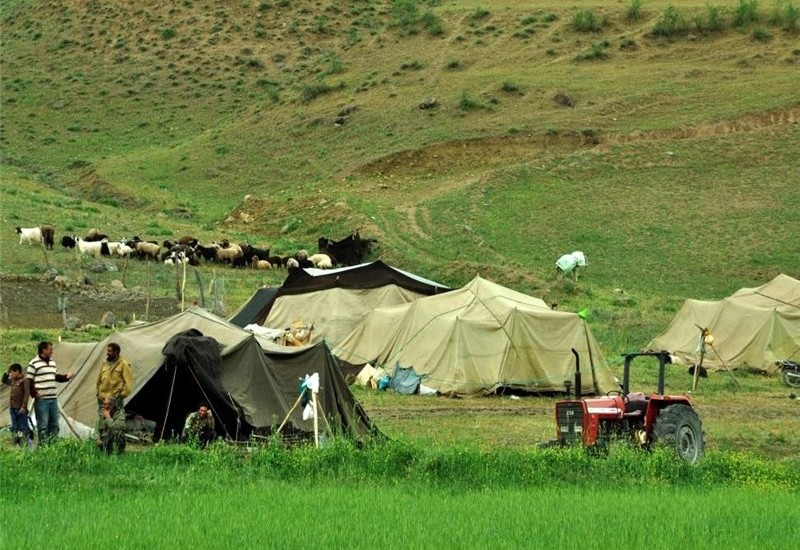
x=397, y=495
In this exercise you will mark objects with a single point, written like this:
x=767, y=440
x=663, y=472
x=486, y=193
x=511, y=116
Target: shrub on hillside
x=634, y=10
x=746, y=13
x=672, y=23
x=586, y=21
x=713, y=20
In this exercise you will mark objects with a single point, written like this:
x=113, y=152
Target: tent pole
x=698, y=367
x=316, y=419
x=169, y=402
x=285, y=420
x=67, y=422
x=725, y=365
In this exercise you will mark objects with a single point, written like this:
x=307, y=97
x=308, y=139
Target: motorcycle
x=790, y=373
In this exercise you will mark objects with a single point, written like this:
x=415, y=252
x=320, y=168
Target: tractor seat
x=636, y=405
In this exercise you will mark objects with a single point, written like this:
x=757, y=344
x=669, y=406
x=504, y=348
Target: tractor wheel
x=679, y=428
x=791, y=378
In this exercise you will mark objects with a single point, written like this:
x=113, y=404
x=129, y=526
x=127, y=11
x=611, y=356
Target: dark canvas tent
x=334, y=300
x=479, y=339
x=753, y=328
x=251, y=390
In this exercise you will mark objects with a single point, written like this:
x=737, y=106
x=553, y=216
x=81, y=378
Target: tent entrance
x=172, y=393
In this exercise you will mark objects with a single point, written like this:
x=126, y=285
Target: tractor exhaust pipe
x=577, y=374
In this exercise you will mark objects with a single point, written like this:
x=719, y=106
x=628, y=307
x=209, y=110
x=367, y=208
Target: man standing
x=111, y=427
x=199, y=426
x=114, y=380
x=18, y=402
x=41, y=384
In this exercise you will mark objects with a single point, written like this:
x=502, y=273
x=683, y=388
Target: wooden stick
x=285, y=420
x=721, y=360
x=66, y=421
x=316, y=418
x=698, y=367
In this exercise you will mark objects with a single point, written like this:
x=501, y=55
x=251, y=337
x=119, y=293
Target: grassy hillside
x=660, y=140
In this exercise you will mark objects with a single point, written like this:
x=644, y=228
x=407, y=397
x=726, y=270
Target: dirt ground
x=32, y=302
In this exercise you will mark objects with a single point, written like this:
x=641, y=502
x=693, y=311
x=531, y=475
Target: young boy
x=18, y=406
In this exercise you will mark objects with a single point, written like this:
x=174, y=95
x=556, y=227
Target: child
x=18, y=406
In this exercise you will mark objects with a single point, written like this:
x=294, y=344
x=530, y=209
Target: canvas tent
x=479, y=339
x=753, y=328
x=249, y=390
x=334, y=300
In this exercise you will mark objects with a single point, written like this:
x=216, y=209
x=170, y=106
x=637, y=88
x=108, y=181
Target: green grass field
x=396, y=495
x=660, y=138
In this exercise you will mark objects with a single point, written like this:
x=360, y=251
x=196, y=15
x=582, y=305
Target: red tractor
x=647, y=420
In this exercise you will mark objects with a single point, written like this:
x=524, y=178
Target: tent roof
x=335, y=300
x=478, y=339
x=752, y=328
x=264, y=386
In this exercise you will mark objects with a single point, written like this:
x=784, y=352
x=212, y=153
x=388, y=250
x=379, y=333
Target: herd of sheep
x=185, y=250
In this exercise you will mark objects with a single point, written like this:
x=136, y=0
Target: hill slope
x=671, y=160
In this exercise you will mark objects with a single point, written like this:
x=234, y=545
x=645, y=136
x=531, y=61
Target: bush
x=713, y=21
x=467, y=103
x=745, y=13
x=586, y=21
x=761, y=34
x=634, y=10
x=786, y=16
x=168, y=34
x=432, y=24
x=509, y=87
x=672, y=23
x=598, y=50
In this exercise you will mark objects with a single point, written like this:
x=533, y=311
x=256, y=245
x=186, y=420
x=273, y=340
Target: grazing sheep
x=89, y=248
x=321, y=261
x=93, y=235
x=229, y=254
x=30, y=235
x=147, y=250
x=292, y=263
x=276, y=261
x=188, y=241
x=208, y=253
x=260, y=264
x=68, y=241
x=48, y=236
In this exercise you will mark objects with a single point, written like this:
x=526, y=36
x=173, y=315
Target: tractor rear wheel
x=679, y=428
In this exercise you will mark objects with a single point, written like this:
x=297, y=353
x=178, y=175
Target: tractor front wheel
x=679, y=428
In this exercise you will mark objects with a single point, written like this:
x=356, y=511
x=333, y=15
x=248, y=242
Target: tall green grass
x=423, y=497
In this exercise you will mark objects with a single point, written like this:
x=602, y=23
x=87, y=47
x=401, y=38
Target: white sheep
x=321, y=261
x=90, y=248
x=30, y=235
x=292, y=263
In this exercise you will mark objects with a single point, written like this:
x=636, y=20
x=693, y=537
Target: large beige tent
x=248, y=389
x=478, y=339
x=753, y=328
x=334, y=300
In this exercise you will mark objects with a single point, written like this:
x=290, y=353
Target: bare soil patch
x=27, y=302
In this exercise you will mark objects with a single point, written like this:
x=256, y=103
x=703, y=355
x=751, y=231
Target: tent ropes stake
x=169, y=402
